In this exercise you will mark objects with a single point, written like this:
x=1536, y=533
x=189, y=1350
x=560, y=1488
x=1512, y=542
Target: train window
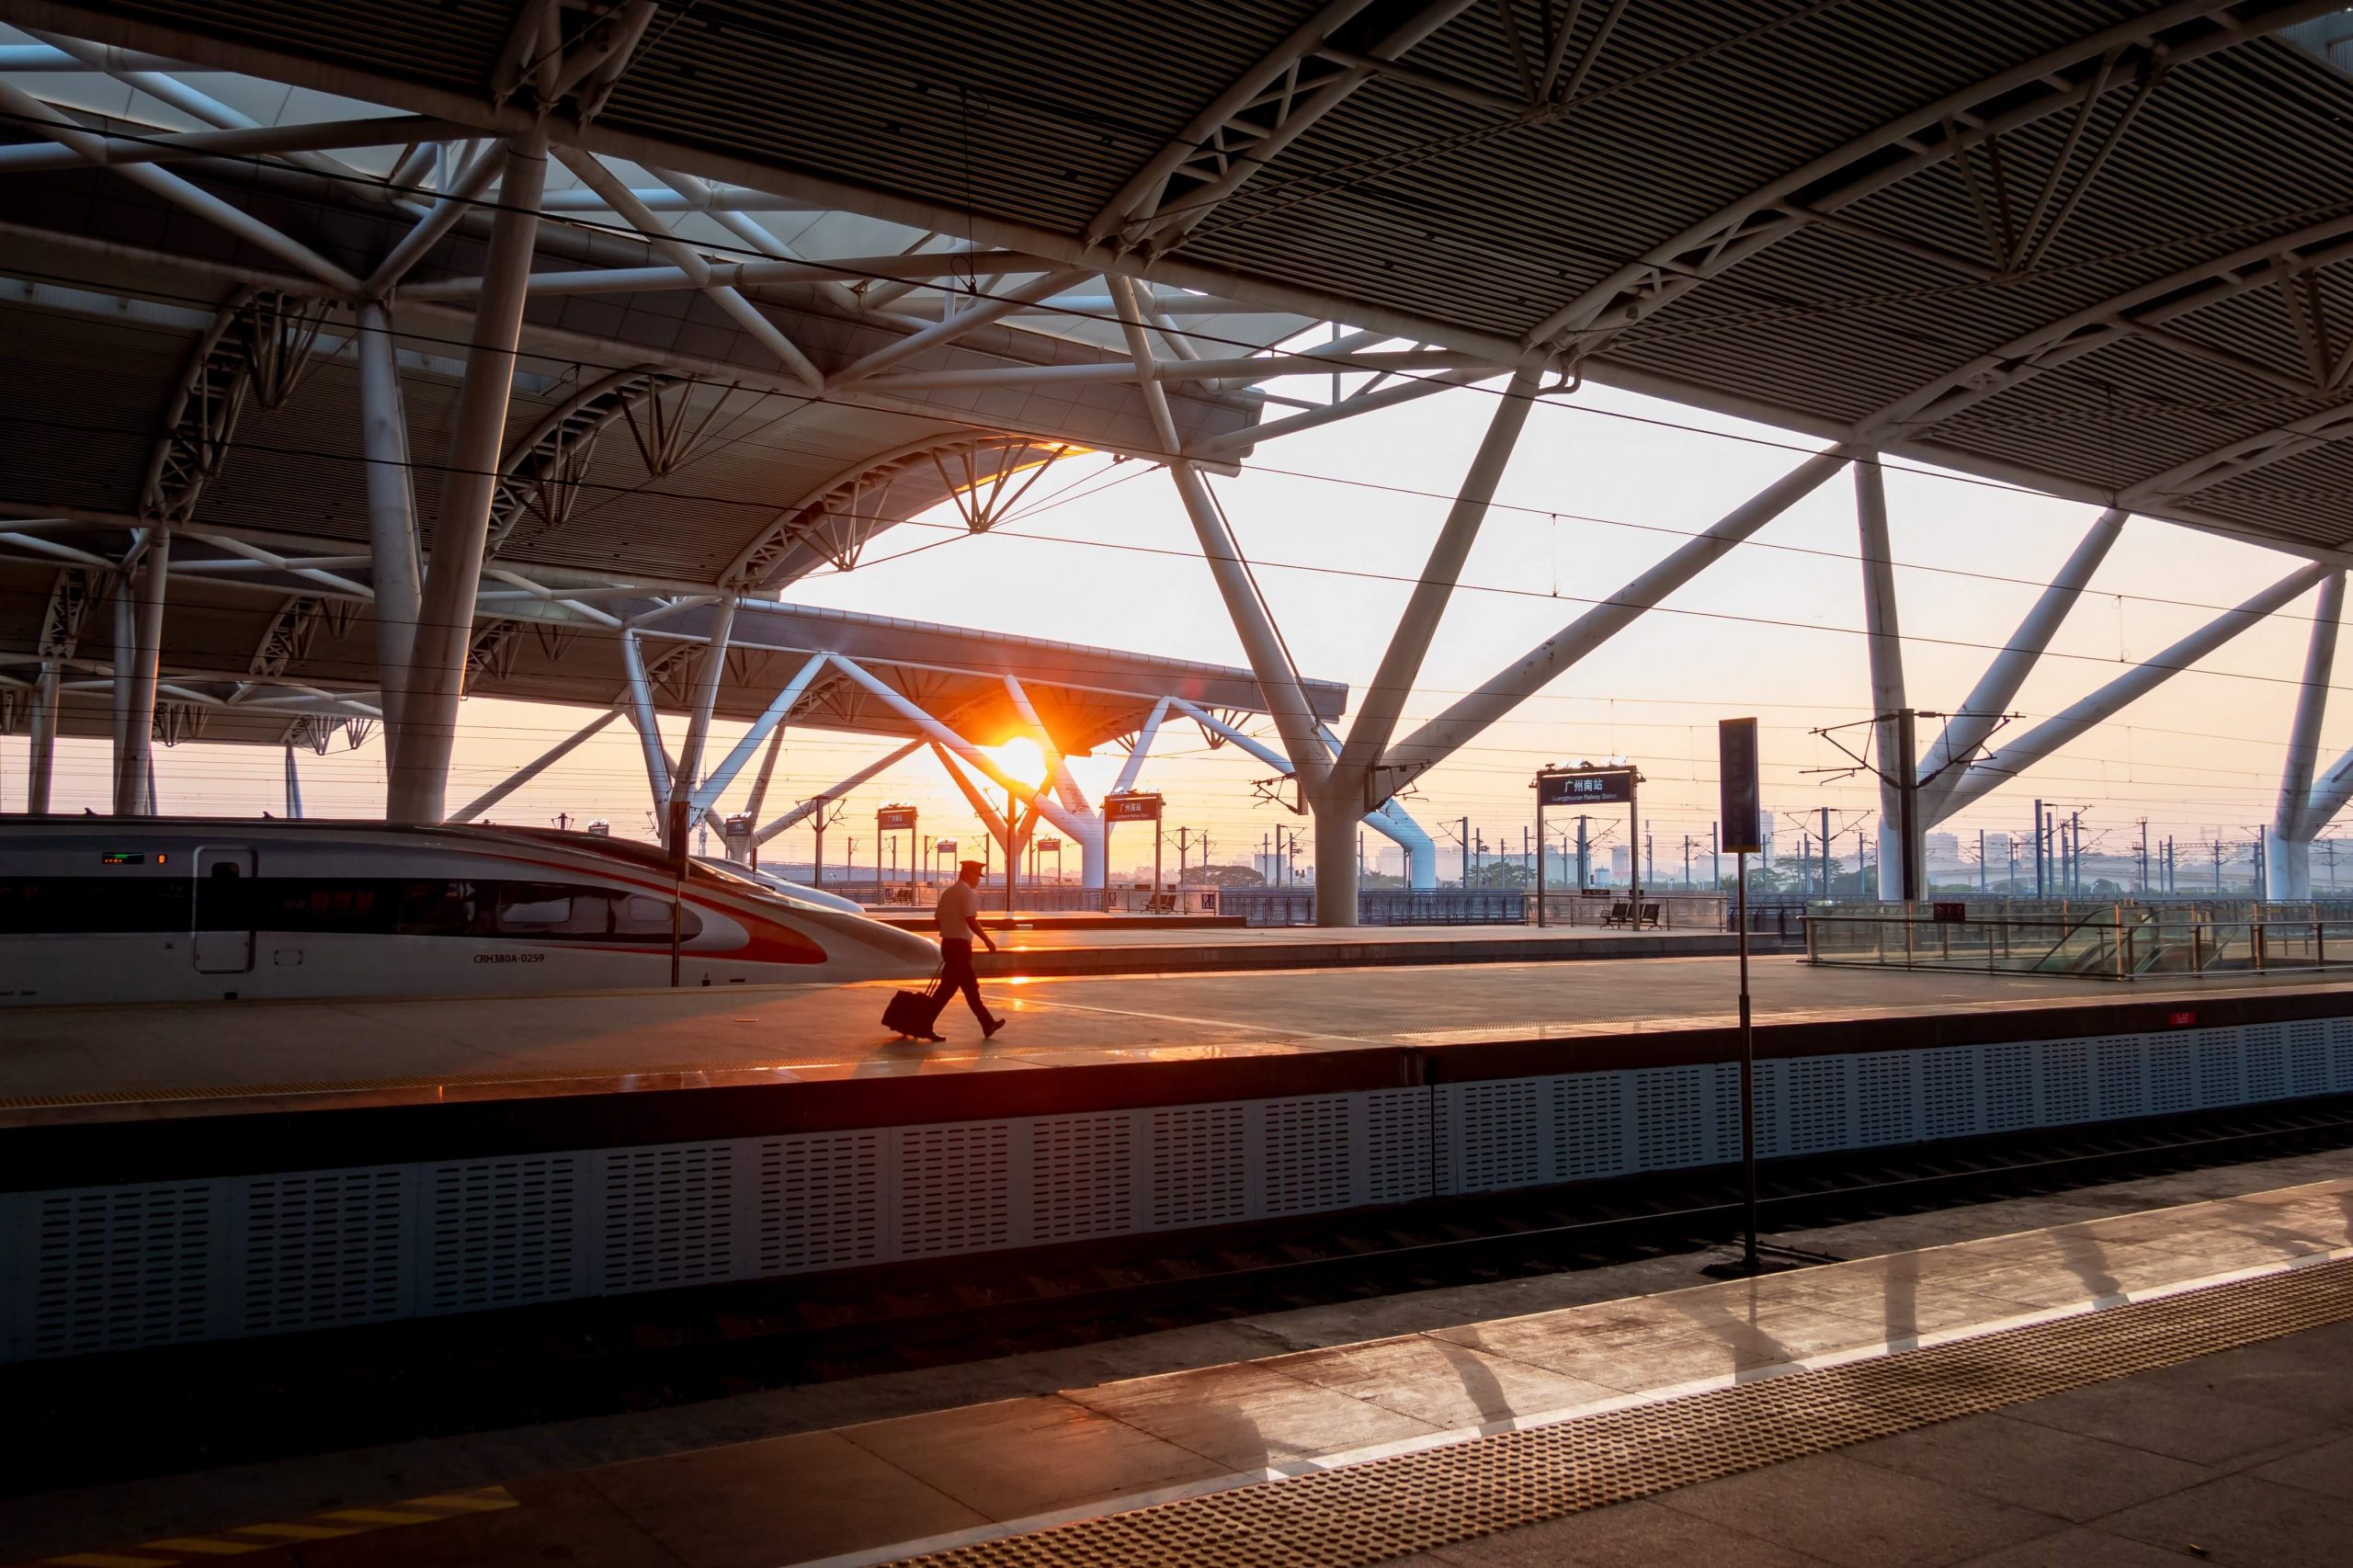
x=296, y=904
x=645, y=915
x=531, y=906
x=39, y=906
x=552, y=909
x=434, y=909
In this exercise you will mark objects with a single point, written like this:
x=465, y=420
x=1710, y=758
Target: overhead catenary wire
x=1284, y=566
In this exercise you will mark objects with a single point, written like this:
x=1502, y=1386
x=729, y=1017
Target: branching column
x=44, y=738
x=392, y=519
x=135, y=684
x=1896, y=763
x=2288, y=844
x=428, y=722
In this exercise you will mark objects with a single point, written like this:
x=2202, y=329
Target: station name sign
x=895, y=818
x=1586, y=786
x=1132, y=808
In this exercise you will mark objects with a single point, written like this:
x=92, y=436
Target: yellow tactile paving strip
x=1359, y=1515
x=335, y=1522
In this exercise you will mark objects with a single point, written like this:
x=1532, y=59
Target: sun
x=1019, y=759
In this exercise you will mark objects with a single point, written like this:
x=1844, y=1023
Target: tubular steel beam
x=1279, y=682
x=708, y=681
x=113, y=150
x=445, y=620
x=771, y=720
x=534, y=768
x=135, y=763
x=983, y=311
x=1148, y=733
x=806, y=808
x=461, y=198
x=1442, y=736
x=398, y=573
x=1883, y=639
x=644, y=714
x=1093, y=869
x=746, y=314
x=2007, y=671
x=1384, y=699
x=1040, y=800
x=43, y=757
x=2287, y=860
x=34, y=114
x=2062, y=728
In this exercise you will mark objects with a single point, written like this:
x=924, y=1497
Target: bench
x=1161, y=903
x=1623, y=914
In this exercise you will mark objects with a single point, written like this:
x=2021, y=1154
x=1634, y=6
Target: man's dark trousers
x=956, y=974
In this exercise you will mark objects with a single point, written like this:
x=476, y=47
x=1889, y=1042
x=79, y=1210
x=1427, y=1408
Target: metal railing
x=895, y=898
x=2092, y=941
x=1482, y=906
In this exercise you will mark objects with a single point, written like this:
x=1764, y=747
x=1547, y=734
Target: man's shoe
x=933, y=1038
x=988, y=1030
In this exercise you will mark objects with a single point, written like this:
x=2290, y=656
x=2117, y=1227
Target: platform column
x=688, y=773
x=396, y=574
x=1392, y=822
x=43, y=757
x=1350, y=787
x=2287, y=844
x=420, y=759
x=1885, y=644
x=135, y=684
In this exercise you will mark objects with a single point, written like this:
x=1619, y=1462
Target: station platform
x=80, y=1065
x=1024, y=922
x=1123, y=948
x=2165, y=1384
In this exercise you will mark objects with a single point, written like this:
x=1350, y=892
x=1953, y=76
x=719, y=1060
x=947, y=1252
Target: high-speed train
x=108, y=909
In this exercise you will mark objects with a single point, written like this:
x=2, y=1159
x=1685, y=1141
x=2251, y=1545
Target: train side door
x=223, y=907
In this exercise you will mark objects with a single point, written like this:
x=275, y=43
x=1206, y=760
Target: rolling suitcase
x=912, y=1012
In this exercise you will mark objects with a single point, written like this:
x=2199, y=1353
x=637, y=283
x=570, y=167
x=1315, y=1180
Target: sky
x=1337, y=522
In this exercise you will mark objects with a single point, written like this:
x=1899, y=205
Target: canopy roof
x=803, y=271
x=2093, y=245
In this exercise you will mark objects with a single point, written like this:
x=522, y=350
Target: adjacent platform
x=2173, y=1381
x=82, y=1064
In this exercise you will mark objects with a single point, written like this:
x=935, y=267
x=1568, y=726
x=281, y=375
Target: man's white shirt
x=959, y=905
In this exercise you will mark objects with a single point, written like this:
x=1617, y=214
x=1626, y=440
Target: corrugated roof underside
x=1039, y=110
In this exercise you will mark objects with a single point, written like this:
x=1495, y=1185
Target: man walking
x=959, y=916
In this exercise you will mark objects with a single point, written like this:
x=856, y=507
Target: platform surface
x=1114, y=949
x=75, y=1063
x=2123, y=1444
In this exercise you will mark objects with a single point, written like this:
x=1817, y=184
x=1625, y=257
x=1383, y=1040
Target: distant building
x=1622, y=863
x=1944, y=848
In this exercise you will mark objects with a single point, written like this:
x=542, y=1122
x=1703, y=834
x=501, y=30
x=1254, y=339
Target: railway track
x=216, y=1403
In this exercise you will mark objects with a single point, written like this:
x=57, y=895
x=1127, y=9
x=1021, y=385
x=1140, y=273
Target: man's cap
x=969, y=866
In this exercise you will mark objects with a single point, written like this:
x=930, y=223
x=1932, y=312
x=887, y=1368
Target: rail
x=2120, y=941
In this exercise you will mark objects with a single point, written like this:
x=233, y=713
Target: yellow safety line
x=204, y=1548
x=326, y=1525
